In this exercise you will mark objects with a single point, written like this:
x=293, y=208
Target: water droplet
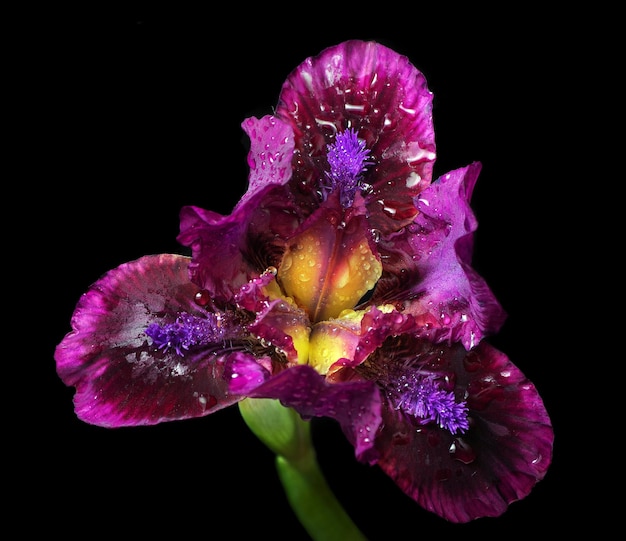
x=413, y=180
x=286, y=263
x=462, y=451
x=390, y=211
x=202, y=298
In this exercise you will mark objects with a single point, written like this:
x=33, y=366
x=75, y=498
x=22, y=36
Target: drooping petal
x=372, y=89
x=355, y=405
x=120, y=378
x=428, y=265
x=505, y=452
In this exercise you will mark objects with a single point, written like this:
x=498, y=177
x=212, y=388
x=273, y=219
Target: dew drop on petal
x=202, y=298
x=462, y=451
x=286, y=263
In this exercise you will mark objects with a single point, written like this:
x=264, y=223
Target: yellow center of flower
x=325, y=283
x=334, y=339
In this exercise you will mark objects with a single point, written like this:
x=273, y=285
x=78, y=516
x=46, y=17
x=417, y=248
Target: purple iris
x=343, y=288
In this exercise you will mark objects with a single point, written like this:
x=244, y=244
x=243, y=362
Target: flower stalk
x=286, y=434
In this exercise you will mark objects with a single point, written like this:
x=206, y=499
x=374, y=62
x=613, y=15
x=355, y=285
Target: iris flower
x=339, y=286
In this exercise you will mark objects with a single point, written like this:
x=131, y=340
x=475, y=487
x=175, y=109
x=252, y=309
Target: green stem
x=283, y=431
x=313, y=502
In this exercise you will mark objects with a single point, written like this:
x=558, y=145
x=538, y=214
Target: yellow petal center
x=333, y=340
x=325, y=282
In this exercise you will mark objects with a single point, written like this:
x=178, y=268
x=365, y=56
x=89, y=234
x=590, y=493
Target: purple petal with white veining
x=122, y=380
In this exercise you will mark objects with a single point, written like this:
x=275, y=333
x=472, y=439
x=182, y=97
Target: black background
x=129, y=118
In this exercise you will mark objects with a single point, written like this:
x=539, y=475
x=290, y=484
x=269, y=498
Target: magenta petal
x=208, y=233
x=260, y=219
x=248, y=241
x=355, y=405
x=384, y=98
x=271, y=151
x=122, y=381
x=271, y=324
x=449, y=298
x=446, y=269
x=506, y=451
x=244, y=372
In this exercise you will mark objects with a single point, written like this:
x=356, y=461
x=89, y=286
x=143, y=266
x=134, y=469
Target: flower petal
x=379, y=93
x=339, y=345
x=271, y=151
x=355, y=405
x=285, y=327
x=428, y=265
x=244, y=373
x=506, y=451
x=249, y=240
x=120, y=379
x=329, y=265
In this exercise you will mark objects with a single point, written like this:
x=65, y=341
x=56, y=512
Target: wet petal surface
x=428, y=266
x=505, y=452
x=120, y=379
x=329, y=266
x=382, y=96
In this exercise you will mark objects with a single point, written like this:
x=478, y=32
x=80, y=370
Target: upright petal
x=120, y=379
x=270, y=155
x=428, y=265
x=208, y=233
x=248, y=239
x=372, y=89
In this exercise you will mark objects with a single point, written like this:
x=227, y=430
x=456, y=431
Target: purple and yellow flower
x=341, y=285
